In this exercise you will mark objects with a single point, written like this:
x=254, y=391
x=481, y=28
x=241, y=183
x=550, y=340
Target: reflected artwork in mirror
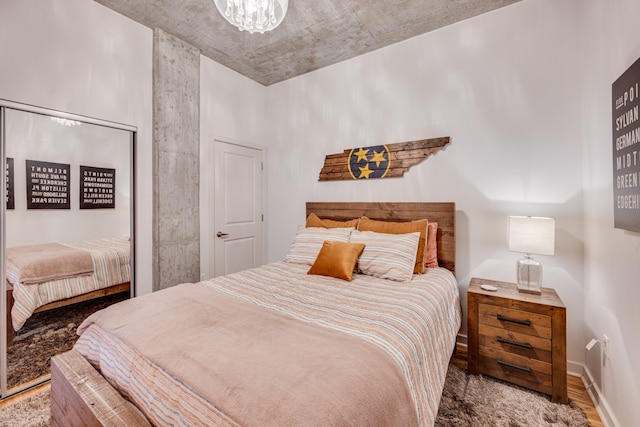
x=67, y=232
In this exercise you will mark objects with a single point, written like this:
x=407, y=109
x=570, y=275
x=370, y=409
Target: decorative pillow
x=389, y=227
x=314, y=221
x=432, y=245
x=308, y=241
x=337, y=259
x=389, y=256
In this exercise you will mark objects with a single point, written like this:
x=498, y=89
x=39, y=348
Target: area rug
x=34, y=411
x=467, y=401
x=46, y=334
x=479, y=401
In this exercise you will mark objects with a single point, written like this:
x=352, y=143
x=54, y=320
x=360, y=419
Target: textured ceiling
x=314, y=34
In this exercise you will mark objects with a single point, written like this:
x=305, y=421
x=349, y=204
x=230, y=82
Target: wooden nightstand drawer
x=515, y=320
x=516, y=369
x=529, y=346
x=518, y=337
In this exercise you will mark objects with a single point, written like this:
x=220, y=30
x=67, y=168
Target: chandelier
x=65, y=122
x=253, y=15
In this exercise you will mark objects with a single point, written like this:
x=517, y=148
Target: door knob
x=221, y=234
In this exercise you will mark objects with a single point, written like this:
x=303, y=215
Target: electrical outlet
x=605, y=346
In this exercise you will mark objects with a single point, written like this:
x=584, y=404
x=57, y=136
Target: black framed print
x=626, y=149
x=48, y=185
x=9, y=183
x=97, y=188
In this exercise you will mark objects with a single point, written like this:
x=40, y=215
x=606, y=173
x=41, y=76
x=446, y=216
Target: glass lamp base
x=529, y=273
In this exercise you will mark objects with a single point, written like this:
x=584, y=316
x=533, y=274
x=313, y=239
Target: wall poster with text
x=48, y=185
x=626, y=149
x=97, y=188
x=9, y=183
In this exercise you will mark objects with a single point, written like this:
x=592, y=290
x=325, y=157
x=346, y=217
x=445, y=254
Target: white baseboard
x=596, y=395
x=575, y=369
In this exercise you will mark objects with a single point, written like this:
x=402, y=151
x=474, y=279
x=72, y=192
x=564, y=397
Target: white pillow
x=308, y=242
x=388, y=256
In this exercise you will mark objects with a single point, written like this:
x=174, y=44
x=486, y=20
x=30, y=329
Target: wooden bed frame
x=81, y=396
x=443, y=213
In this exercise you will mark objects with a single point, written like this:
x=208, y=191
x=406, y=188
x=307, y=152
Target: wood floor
x=575, y=389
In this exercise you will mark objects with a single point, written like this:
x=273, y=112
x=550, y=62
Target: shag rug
x=34, y=411
x=467, y=400
x=46, y=334
x=479, y=401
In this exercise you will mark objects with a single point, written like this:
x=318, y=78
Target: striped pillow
x=388, y=256
x=308, y=242
x=391, y=227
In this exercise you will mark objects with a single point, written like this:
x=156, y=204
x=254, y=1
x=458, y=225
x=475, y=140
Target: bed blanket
x=45, y=262
x=278, y=374
x=111, y=260
x=261, y=368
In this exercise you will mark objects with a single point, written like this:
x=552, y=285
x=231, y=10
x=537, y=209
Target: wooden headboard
x=442, y=213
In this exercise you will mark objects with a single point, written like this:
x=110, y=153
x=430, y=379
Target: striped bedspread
x=414, y=323
x=111, y=266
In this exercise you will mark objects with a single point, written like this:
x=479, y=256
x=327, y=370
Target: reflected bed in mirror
x=53, y=275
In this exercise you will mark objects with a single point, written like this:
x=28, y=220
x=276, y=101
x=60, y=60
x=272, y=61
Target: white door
x=237, y=199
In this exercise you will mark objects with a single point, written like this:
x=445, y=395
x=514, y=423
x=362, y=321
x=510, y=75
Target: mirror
x=67, y=240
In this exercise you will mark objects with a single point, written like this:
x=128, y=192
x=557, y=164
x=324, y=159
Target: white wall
x=611, y=43
x=31, y=136
x=79, y=57
x=232, y=109
x=503, y=86
x=524, y=92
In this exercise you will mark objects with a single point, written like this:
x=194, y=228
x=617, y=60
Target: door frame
x=207, y=203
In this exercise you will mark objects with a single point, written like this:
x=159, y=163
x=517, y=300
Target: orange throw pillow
x=337, y=259
x=314, y=221
x=389, y=227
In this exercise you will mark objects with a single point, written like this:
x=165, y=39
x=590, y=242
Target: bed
x=47, y=276
x=275, y=345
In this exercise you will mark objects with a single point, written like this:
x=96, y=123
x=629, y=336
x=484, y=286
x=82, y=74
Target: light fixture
x=531, y=235
x=253, y=15
x=65, y=122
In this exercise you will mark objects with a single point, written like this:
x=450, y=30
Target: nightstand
x=518, y=337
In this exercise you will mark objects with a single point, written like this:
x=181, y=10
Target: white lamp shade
x=532, y=235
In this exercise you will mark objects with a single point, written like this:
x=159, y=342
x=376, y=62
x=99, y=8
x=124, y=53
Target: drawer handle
x=517, y=321
x=511, y=365
x=516, y=343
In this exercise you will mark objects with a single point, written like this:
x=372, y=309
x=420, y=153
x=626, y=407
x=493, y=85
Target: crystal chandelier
x=65, y=122
x=253, y=15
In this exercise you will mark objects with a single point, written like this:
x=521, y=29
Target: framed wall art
x=48, y=185
x=626, y=149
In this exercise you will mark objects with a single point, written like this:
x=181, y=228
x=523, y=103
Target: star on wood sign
x=379, y=161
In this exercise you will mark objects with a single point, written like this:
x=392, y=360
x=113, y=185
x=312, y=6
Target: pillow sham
x=308, y=242
x=314, y=221
x=390, y=227
x=388, y=256
x=337, y=259
x=431, y=260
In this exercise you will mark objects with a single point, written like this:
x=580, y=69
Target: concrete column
x=176, y=161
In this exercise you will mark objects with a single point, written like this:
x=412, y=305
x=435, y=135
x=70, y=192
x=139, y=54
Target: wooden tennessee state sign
x=379, y=161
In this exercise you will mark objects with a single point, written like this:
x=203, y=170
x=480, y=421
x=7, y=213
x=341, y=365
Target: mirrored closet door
x=67, y=232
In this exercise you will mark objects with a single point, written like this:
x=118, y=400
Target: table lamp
x=531, y=235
